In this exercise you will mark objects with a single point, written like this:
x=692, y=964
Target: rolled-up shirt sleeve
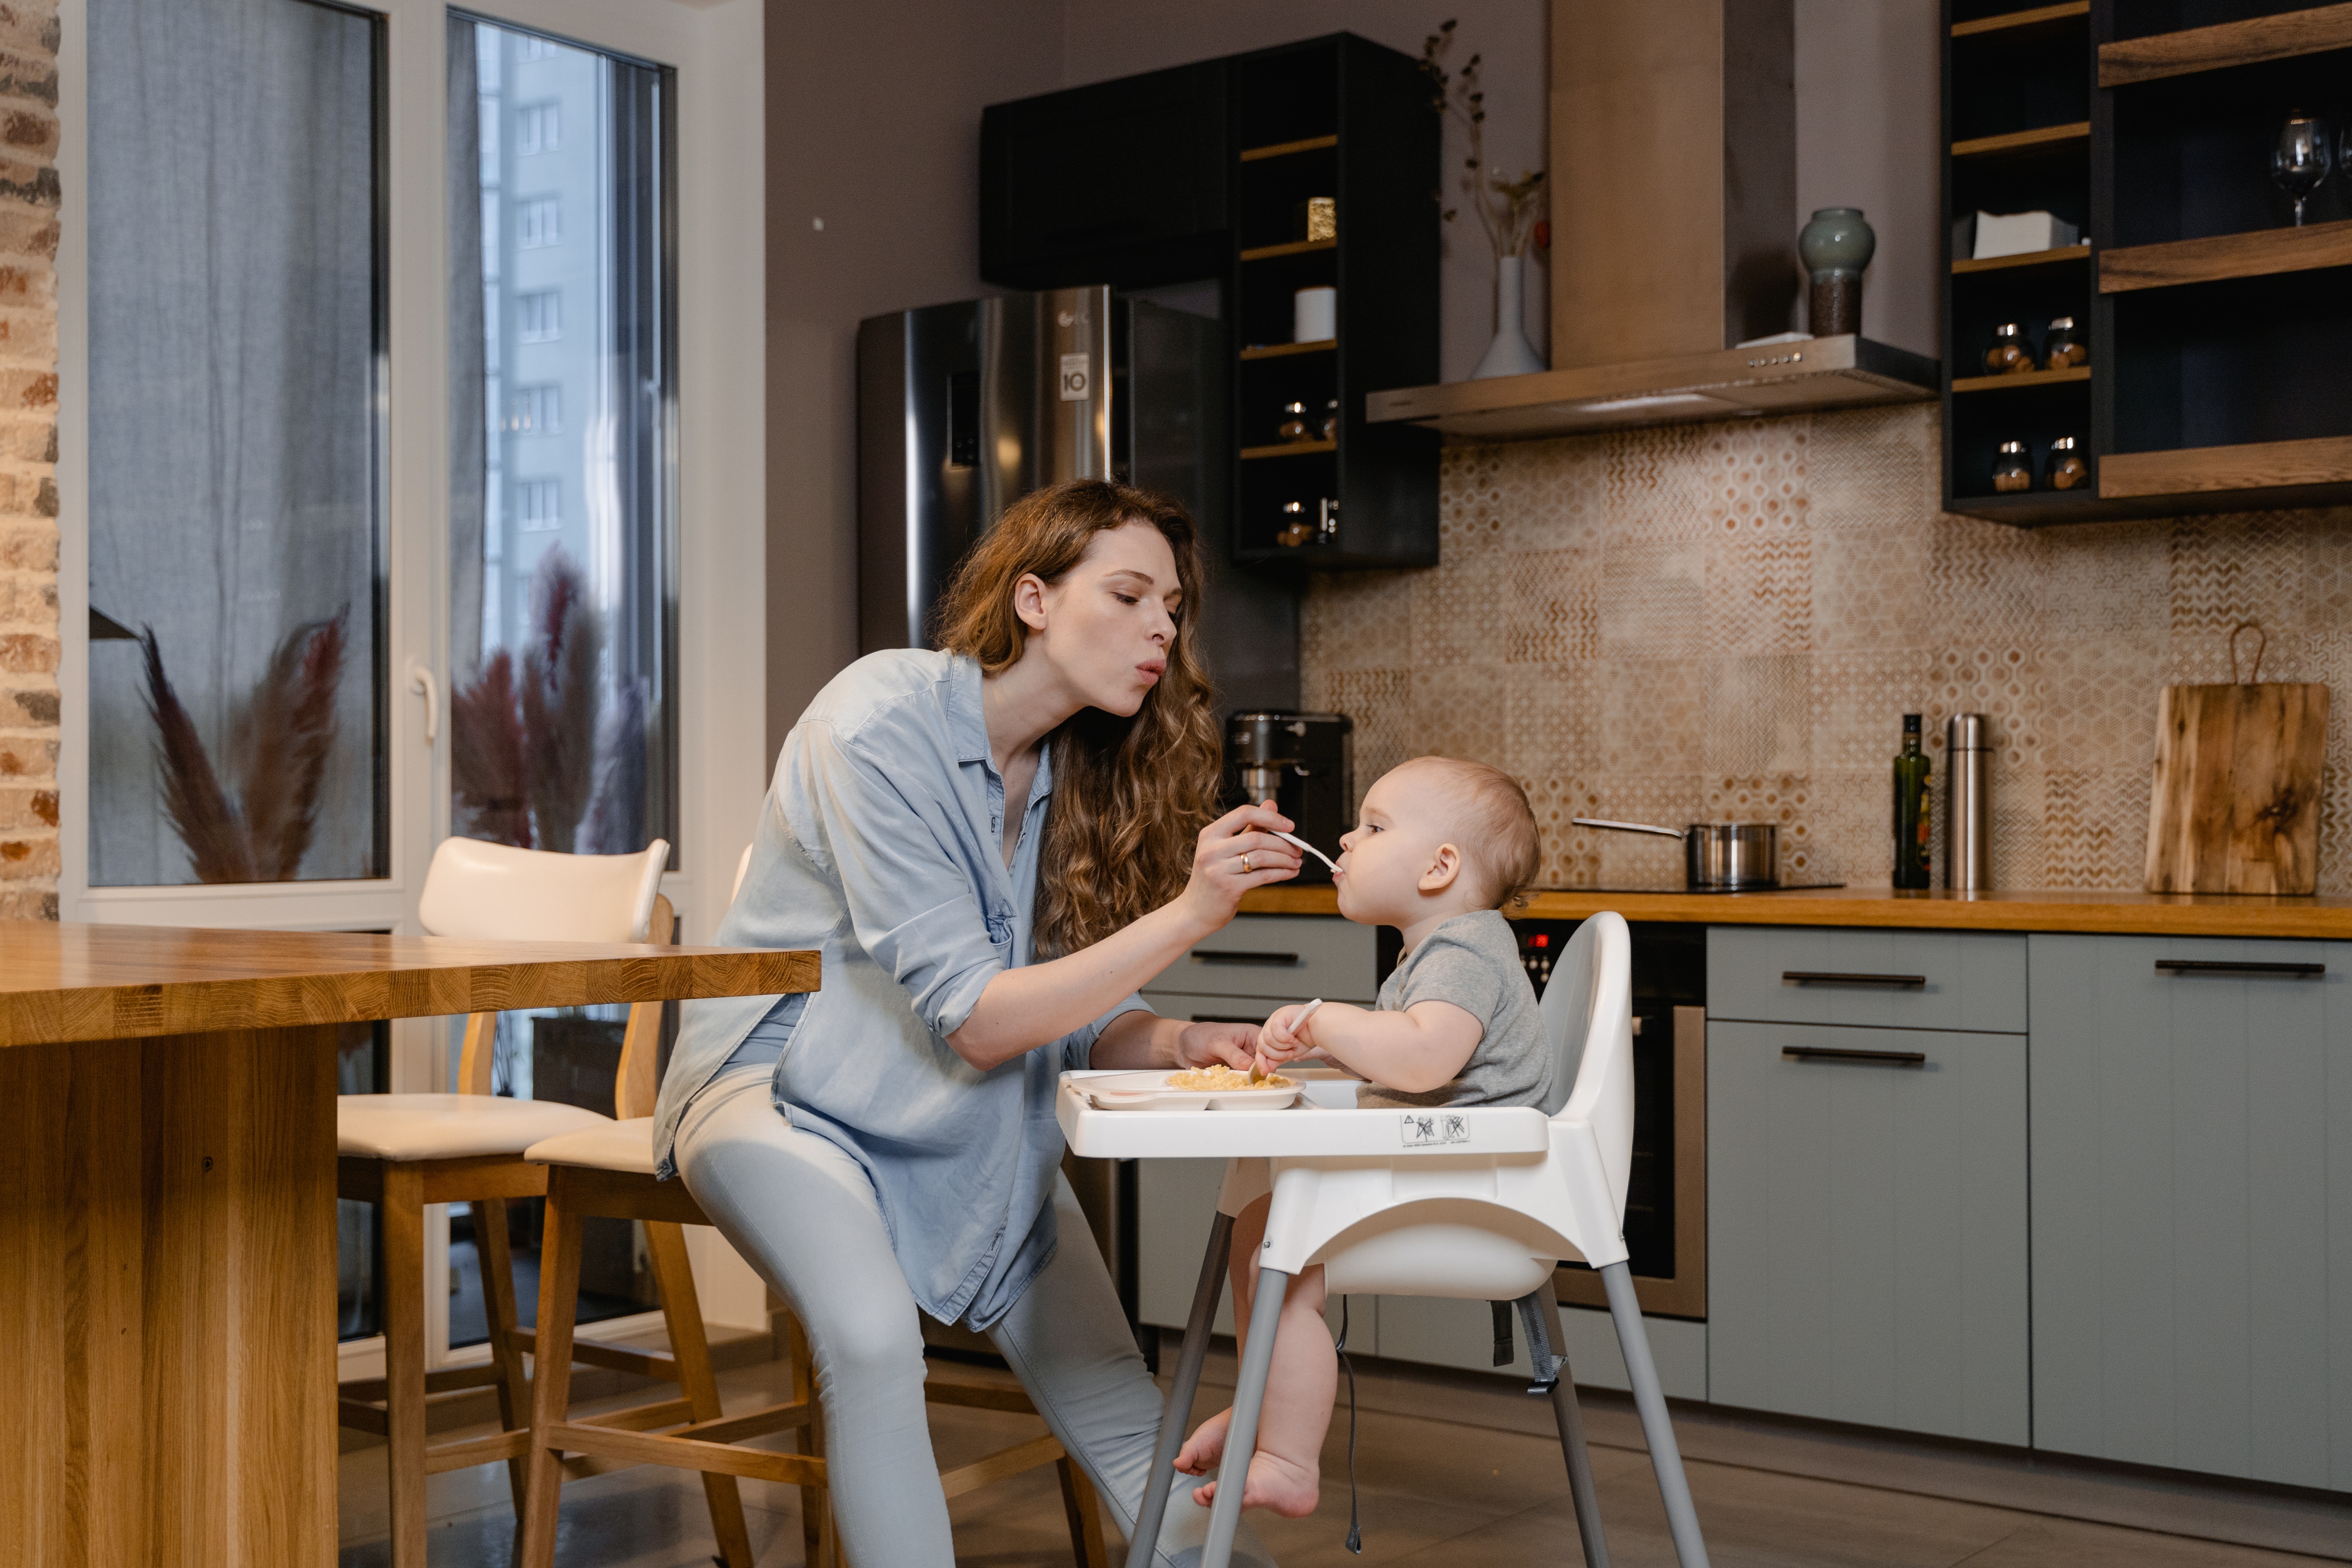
x=910, y=901
x=1078, y=1048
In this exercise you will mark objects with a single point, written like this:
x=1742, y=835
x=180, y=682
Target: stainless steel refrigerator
x=964, y=408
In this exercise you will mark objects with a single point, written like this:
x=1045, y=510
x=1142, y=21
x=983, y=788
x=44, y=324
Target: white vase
x=1510, y=354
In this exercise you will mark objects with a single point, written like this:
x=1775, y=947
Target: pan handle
x=1628, y=827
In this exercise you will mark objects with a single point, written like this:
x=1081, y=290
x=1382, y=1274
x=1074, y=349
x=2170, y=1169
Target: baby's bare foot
x=1289, y=1489
x=1206, y=1446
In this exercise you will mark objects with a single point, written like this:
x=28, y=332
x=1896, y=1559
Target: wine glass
x=2300, y=161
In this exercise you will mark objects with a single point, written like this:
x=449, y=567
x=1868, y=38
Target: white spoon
x=1293, y=839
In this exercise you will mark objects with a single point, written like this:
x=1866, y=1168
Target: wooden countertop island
x=2116, y=913
x=167, y=1213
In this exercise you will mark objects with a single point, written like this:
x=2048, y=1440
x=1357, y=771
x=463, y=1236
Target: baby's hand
x=1284, y=1038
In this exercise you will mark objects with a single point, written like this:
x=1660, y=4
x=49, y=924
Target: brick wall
x=28, y=454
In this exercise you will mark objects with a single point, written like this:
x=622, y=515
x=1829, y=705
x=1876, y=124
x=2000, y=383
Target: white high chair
x=1374, y=1198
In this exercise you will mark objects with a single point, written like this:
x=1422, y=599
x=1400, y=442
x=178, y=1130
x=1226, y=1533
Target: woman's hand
x=1233, y=855
x=1212, y=1044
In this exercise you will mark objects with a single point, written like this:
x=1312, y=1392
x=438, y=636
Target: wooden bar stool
x=607, y=1171
x=403, y=1152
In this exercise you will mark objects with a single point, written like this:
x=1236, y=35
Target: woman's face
x=1107, y=627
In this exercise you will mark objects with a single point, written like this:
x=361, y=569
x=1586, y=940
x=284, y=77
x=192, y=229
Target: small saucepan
x=1717, y=856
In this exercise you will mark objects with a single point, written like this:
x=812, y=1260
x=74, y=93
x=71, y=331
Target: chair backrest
x=742, y=870
x=1588, y=1010
x=479, y=889
x=496, y=890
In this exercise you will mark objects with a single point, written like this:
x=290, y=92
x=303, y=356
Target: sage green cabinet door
x=2192, y=1206
x=1866, y=1228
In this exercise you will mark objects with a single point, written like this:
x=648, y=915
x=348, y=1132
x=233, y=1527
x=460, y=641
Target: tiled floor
x=1486, y=1488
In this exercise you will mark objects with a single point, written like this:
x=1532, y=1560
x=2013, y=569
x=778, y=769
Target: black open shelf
x=2217, y=343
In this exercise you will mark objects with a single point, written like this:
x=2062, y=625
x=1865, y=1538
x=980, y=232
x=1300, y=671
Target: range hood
x=1674, y=197
x=1777, y=378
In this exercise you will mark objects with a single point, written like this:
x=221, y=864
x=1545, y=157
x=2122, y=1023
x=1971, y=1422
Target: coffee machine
x=1305, y=764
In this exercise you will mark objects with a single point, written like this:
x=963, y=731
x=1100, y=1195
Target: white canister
x=1314, y=315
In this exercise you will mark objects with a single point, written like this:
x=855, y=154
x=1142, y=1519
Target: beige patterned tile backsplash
x=1729, y=621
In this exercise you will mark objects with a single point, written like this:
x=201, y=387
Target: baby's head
x=1436, y=835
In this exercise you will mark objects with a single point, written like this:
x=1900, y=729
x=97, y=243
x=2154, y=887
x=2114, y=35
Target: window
x=531, y=48
x=543, y=505
x=537, y=127
x=538, y=411
x=542, y=220
x=538, y=317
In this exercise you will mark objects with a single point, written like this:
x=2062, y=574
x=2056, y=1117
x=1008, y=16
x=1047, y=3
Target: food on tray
x=1221, y=1080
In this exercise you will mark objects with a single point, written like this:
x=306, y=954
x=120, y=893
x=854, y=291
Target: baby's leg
x=1286, y=1471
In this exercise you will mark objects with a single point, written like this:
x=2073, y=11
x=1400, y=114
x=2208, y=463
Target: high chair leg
x=551, y=1373
x=689, y=1346
x=1177, y=1415
x=1569, y=1418
x=1249, y=1399
x=1666, y=1457
x=492, y=1251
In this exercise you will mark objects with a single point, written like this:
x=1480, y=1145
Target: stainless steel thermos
x=1968, y=835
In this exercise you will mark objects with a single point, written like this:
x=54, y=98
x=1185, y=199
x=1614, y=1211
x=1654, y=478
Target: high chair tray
x=1319, y=1127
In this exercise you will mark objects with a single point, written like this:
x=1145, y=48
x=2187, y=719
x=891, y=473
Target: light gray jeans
x=804, y=1214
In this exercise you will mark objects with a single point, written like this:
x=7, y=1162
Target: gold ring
x=1246, y=867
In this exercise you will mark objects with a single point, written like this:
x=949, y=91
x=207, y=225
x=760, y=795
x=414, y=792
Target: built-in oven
x=1665, y=1201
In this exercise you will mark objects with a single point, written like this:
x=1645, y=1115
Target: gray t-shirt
x=1473, y=962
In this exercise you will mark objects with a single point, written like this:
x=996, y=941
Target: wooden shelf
x=1288, y=449
x=2018, y=379
x=1296, y=247
x=2129, y=61
x=2267, y=465
x=2259, y=254
x=1285, y=149
x=2021, y=140
x=1278, y=351
x=2025, y=258
x=2034, y=18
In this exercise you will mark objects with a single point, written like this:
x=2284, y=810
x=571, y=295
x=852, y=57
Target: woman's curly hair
x=1130, y=795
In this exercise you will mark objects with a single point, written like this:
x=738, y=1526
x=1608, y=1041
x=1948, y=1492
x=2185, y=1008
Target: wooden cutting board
x=2236, y=808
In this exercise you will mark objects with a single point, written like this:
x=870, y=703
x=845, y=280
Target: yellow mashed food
x=1222, y=1079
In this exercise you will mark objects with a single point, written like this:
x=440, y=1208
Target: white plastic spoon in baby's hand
x=1293, y=839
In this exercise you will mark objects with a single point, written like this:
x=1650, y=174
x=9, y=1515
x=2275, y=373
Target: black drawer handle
x=1221, y=1018
x=2206, y=966
x=1825, y=977
x=1203, y=956
x=1829, y=1054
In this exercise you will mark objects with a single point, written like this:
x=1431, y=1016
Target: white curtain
x=234, y=433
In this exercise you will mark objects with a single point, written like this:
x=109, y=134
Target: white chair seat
x=449, y=1126
x=625, y=1146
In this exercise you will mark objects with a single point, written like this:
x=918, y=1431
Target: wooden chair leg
x=689, y=1346
x=551, y=1382
x=1086, y=1517
x=498, y=1302
x=401, y=1296
x=810, y=1439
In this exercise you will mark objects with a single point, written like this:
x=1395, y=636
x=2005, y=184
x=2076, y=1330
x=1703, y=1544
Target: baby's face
x=1405, y=817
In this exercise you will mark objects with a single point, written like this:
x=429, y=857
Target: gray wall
x=874, y=127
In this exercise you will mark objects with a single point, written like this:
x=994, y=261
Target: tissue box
x=2020, y=233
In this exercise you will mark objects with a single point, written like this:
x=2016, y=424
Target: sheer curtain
x=234, y=451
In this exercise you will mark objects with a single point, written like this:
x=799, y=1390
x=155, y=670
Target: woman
x=983, y=842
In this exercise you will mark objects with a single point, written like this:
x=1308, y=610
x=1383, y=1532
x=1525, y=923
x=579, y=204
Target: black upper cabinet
x=1125, y=183
x=1209, y=170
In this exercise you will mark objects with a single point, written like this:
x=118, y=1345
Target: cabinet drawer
x=1882, y=979
x=1867, y=1227
x=1288, y=958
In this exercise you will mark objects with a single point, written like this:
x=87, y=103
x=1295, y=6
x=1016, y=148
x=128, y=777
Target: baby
x=1439, y=848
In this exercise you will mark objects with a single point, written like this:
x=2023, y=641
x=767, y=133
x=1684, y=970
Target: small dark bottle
x=1911, y=809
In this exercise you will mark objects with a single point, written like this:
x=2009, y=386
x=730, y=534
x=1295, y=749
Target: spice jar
x=1294, y=422
x=1331, y=420
x=2065, y=468
x=2009, y=354
x=2065, y=346
x=2013, y=470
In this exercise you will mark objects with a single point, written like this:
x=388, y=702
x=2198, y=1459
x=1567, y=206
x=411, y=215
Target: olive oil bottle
x=1911, y=824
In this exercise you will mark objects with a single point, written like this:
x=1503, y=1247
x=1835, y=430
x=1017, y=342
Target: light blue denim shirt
x=880, y=846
